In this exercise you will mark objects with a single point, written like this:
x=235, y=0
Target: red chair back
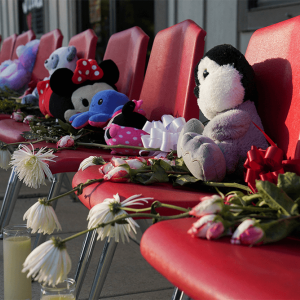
x=7, y=48
x=22, y=39
x=169, y=80
x=85, y=43
x=274, y=54
x=48, y=43
x=128, y=50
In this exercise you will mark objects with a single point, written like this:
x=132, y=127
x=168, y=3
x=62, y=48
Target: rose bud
x=135, y=163
x=208, y=205
x=28, y=119
x=104, y=169
x=247, y=234
x=18, y=116
x=65, y=141
x=210, y=227
x=118, y=174
x=117, y=161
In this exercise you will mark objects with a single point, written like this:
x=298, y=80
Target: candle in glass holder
x=62, y=291
x=16, y=247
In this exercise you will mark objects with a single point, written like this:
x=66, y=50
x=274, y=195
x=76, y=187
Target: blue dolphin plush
x=103, y=106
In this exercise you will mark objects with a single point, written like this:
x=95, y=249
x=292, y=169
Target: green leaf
x=165, y=165
x=276, y=198
x=290, y=183
x=186, y=179
x=67, y=127
x=29, y=135
x=279, y=229
x=180, y=165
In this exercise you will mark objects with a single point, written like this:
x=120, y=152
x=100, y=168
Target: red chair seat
x=164, y=192
x=218, y=270
x=10, y=131
x=69, y=160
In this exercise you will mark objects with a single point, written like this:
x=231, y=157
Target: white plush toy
x=64, y=57
x=226, y=91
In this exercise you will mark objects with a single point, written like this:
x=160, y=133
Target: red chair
x=129, y=85
x=69, y=160
x=85, y=43
x=22, y=39
x=9, y=129
x=216, y=269
x=176, y=50
x=7, y=47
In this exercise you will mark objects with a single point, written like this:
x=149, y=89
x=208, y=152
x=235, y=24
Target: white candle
x=15, y=250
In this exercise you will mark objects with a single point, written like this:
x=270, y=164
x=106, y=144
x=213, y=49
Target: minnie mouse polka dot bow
x=87, y=70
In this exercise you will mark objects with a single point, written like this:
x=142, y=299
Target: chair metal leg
x=84, y=260
x=9, y=201
x=177, y=294
x=54, y=191
x=103, y=268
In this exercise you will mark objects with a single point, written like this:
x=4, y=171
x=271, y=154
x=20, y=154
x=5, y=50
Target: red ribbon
x=267, y=164
x=87, y=69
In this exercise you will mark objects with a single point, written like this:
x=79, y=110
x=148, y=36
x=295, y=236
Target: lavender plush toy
x=226, y=92
x=16, y=74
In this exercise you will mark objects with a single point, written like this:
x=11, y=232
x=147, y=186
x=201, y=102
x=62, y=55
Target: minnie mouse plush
x=69, y=93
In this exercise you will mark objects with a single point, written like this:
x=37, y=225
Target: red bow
x=86, y=70
x=267, y=164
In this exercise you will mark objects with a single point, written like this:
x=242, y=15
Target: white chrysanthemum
x=5, y=158
x=111, y=209
x=41, y=218
x=31, y=167
x=91, y=161
x=49, y=263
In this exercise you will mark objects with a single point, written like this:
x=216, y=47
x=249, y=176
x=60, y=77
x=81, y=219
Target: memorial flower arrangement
x=264, y=212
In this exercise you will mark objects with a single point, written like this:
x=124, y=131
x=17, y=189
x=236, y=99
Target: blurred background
x=225, y=21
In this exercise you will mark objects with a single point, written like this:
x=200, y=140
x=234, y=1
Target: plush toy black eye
x=100, y=101
x=205, y=73
x=85, y=102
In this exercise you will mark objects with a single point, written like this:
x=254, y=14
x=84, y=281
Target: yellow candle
x=58, y=297
x=16, y=285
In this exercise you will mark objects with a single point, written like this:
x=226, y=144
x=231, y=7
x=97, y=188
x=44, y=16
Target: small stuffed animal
x=73, y=92
x=126, y=128
x=226, y=91
x=63, y=57
x=104, y=106
x=16, y=74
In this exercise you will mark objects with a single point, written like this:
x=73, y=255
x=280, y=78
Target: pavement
x=130, y=277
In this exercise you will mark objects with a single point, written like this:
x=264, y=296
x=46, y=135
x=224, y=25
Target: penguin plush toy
x=226, y=93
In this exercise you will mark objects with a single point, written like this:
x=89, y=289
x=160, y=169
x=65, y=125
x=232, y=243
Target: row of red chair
x=167, y=89
x=216, y=269
x=11, y=43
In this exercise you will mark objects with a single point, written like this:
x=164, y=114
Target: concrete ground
x=130, y=277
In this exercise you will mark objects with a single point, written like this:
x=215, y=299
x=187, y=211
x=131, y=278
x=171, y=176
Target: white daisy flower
x=5, y=157
x=49, y=263
x=31, y=167
x=41, y=218
x=111, y=209
x=91, y=161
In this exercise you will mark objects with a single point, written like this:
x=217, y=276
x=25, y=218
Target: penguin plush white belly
x=226, y=92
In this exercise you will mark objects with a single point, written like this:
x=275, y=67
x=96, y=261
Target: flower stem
x=32, y=142
x=115, y=146
x=226, y=184
x=77, y=188
x=138, y=215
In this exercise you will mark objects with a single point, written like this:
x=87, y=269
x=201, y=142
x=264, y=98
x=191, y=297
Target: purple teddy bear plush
x=16, y=74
